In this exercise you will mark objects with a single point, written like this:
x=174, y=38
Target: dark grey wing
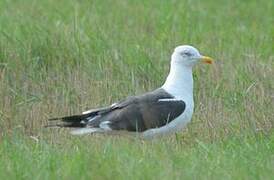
x=140, y=117
x=136, y=113
x=139, y=113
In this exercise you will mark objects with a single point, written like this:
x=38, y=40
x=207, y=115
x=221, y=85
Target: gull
x=163, y=111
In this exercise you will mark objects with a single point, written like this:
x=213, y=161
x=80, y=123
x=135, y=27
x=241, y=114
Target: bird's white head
x=179, y=82
x=188, y=56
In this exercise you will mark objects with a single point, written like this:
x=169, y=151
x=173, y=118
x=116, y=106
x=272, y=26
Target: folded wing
x=137, y=113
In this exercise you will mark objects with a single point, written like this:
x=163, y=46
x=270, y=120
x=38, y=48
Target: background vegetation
x=63, y=57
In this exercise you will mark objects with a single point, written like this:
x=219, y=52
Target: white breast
x=179, y=84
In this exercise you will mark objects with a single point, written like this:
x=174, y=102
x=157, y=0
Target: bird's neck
x=179, y=82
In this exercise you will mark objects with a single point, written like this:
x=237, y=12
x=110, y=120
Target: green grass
x=82, y=158
x=63, y=57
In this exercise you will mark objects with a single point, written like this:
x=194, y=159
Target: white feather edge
x=173, y=99
x=86, y=112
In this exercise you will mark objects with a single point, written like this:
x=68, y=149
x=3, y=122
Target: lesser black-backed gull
x=163, y=111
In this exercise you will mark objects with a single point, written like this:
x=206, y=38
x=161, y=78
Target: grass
x=63, y=57
x=81, y=158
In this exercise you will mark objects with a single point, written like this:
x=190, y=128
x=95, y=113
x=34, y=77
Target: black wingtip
x=68, y=121
x=54, y=119
x=72, y=118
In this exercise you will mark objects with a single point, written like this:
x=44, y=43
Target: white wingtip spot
x=91, y=119
x=105, y=125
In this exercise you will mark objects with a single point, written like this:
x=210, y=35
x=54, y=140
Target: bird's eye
x=186, y=54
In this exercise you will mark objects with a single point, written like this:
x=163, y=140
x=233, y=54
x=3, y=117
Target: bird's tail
x=79, y=123
x=76, y=122
x=69, y=121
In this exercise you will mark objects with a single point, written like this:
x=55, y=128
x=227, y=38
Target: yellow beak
x=207, y=60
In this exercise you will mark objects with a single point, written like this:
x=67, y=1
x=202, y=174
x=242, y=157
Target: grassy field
x=63, y=57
